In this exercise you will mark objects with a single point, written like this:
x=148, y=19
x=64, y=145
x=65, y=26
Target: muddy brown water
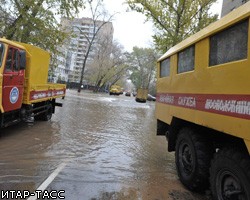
x=109, y=147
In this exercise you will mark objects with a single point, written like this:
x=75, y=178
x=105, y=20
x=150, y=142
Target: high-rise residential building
x=229, y=5
x=62, y=70
x=75, y=49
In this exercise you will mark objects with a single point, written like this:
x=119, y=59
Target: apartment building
x=229, y=5
x=69, y=68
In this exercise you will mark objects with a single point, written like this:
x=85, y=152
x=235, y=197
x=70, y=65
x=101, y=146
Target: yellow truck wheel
x=48, y=114
x=230, y=175
x=193, y=155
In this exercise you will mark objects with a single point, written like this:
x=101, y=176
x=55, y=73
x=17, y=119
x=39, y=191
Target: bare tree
x=108, y=65
x=97, y=12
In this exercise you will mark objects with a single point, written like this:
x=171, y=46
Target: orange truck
x=203, y=106
x=25, y=94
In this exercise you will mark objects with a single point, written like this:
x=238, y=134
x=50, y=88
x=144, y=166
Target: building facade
x=229, y=5
x=69, y=68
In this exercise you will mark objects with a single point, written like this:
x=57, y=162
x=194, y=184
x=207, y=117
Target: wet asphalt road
x=96, y=147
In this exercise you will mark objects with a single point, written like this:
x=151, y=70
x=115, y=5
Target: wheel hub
x=230, y=187
x=187, y=160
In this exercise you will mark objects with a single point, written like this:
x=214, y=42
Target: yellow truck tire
x=193, y=155
x=46, y=115
x=230, y=175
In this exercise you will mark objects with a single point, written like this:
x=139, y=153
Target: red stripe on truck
x=34, y=95
x=224, y=104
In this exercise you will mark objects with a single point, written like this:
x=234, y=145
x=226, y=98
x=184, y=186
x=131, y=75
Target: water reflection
x=22, y=155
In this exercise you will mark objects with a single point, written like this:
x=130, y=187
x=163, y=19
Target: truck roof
x=37, y=62
x=236, y=15
x=13, y=43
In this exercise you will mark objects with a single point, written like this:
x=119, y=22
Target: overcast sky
x=130, y=28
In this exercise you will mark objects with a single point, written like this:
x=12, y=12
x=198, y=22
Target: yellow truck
x=141, y=95
x=24, y=91
x=115, y=90
x=203, y=106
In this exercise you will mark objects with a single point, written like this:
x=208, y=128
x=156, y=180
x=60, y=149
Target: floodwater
x=106, y=147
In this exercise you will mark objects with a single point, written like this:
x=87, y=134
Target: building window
x=186, y=60
x=165, y=68
x=229, y=45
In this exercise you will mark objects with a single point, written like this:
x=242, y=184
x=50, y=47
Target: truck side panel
x=38, y=60
x=45, y=92
x=216, y=96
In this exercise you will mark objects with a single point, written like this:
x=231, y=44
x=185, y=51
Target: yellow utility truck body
x=203, y=106
x=115, y=90
x=141, y=95
x=25, y=93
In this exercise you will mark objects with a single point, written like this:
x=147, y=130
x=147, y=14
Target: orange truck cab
x=25, y=94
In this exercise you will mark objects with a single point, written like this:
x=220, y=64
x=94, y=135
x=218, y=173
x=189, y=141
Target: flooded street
x=98, y=147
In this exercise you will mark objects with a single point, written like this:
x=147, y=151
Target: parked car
x=128, y=94
x=151, y=98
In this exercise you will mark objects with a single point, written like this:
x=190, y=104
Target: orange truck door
x=13, y=81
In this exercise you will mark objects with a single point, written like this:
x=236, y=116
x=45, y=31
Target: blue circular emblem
x=14, y=94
